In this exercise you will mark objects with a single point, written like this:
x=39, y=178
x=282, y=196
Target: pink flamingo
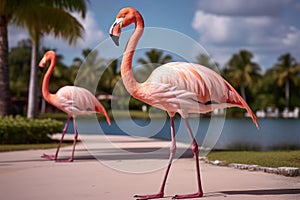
x=176, y=87
x=70, y=99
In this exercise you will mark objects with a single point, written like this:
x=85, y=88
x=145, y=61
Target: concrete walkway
x=25, y=175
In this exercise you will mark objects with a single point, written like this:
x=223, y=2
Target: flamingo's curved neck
x=126, y=67
x=45, y=86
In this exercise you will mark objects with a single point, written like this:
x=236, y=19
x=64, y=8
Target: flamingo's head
x=47, y=58
x=125, y=17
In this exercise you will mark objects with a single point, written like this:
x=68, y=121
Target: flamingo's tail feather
x=242, y=103
x=100, y=109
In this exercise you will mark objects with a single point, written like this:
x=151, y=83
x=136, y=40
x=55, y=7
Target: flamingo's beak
x=115, y=30
x=42, y=62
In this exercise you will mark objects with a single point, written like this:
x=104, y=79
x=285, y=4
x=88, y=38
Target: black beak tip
x=41, y=69
x=115, y=39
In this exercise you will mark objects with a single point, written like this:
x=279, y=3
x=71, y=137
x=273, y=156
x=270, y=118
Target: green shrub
x=20, y=130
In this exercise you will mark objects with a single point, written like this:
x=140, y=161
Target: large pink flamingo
x=70, y=99
x=176, y=87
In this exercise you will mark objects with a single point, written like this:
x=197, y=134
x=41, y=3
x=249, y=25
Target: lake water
x=217, y=133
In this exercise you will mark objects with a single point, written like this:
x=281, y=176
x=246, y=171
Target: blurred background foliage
x=277, y=87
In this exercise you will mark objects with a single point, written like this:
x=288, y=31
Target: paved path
x=25, y=175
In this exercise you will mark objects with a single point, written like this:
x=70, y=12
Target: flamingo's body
x=71, y=99
x=180, y=87
x=176, y=87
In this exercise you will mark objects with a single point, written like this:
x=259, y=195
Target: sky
x=267, y=28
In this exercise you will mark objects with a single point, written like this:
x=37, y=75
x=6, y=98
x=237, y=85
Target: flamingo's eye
x=123, y=15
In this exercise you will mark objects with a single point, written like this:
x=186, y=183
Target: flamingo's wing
x=190, y=88
x=79, y=101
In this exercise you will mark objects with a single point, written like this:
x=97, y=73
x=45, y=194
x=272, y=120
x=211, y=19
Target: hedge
x=20, y=130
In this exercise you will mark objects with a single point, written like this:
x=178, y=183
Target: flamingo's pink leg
x=54, y=157
x=74, y=143
x=195, y=150
x=75, y=139
x=160, y=194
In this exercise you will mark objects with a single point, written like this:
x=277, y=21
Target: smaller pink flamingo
x=70, y=99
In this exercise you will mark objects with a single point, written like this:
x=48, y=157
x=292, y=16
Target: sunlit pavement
x=25, y=175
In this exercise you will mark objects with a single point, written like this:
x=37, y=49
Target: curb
x=285, y=171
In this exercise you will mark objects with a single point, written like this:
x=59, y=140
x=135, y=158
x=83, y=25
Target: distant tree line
x=277, y=87
x=19, y=79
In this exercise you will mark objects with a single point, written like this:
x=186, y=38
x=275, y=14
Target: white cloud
x=292, y=37
x=243, y=7
x=227, y=30
x=266, y=36
x=93, y=33
x=212, y=27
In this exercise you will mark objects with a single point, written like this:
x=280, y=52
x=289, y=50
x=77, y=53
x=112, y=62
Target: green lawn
x=19, y=147
x=262, y=158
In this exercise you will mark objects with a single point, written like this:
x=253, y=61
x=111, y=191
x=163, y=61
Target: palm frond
x=48, y=20
x=68, y=5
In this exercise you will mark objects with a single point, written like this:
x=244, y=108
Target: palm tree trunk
x=32, y=93
x=43, y=106
x=5, y=104
x=243, y=92
x=287, y=93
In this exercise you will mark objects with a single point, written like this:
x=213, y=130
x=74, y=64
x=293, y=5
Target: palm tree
x=286, y=70
x=7, y=7
x=241, y=71
x=154, y=59
x=110, y=76
x=89, y=71
x=207, y=61
x=78, y=61
x=39, y=17
x=19, y=64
